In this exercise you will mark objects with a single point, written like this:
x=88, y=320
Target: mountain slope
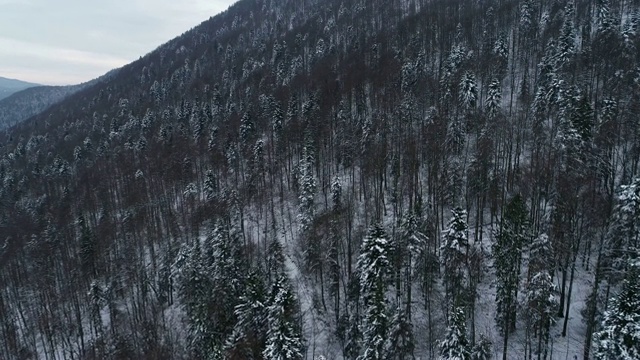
x=333, y=178
x=10, y=86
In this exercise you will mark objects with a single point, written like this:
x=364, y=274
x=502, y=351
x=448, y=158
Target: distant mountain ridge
x=11, y=86
x=31, y=101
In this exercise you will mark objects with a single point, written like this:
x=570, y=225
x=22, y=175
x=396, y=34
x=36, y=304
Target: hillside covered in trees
x=338, y=179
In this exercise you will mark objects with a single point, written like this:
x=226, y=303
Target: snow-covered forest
x=338, y=179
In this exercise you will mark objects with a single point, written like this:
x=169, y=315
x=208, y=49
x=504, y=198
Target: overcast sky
x=60, y=42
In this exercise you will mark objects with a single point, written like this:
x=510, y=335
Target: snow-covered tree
x=540, y=255
x=408, y=244
x=507, y=252
x=353, y=336
x=620, y=335
x=623, y=241
x=468, y=91
x=306, y=185
x=494, y=99
x=248, y=337
x=210, y=186
x=540, y=302
x=193, y=288
x=284, y=341
x=373, y=265
x=582, y=117
x=453, y=253
x=455, y=345
x=566, y=42
x=88, y=250
x=481, y=350
x=96, y=298
x=275, y=260
x=210, y=275
x=335, y=241
x=401, y=343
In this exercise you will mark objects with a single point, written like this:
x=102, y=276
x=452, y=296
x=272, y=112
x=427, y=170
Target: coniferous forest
x=338, y=179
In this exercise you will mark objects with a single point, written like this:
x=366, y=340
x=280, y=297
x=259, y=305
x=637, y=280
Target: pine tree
x=88, y=251
x=306, y=185
x=373, y=265
x=540, y=306
x=284, y=341
x=453, y=253
x=210, y=186
x=335, y=242
x=210, y=283
x=540, y=303
x=623, y=240
x=225, y=269
x=607, y=42
x=247, y=340
x=410, y=243
x=507, y=253
x=566, y=43
x=455, y=345
x=353, y=335
x=194, y=290
x=482, y=349
x=468, y=91
x=582, y=117
x=96, y=297
x=494, y=99
x=620, y=334
x=275, y=261
x=247, y=129
x=400, y=344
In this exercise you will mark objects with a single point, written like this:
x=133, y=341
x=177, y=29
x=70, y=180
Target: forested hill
x=306, y=179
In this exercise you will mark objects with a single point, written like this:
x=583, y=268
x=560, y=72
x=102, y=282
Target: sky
x=66, y=42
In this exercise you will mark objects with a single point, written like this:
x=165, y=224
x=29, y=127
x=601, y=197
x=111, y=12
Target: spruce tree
x=620, y=335
x=400, y=344
x=455, y=345
x=468, y=91
x=494, y=99
x=540, y=301
x=507, y=253
x=482, y=349
x=454, y=252
x=210, y=283
x=353, y=337
x=284, y=341
x=248, y=337
x=623, y=240
x=373, y=265
x=306, y=185
x=210, y=186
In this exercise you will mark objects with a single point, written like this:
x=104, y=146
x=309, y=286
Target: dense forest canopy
x=357, y=179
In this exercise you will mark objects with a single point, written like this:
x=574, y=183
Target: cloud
x=53, y=65
x=12, y=47
x=79, y=40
